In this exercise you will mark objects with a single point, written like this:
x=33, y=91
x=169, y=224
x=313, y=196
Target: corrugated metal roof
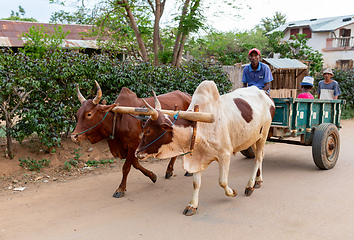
x=11, y=34
x=285, y=63
x=318, y=25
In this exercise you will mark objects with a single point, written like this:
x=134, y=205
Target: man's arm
x=266, y=86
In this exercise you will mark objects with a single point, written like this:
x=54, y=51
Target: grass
x=33, y=164
x=95, y=163
x=347, y=113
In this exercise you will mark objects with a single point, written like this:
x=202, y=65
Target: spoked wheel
x=326, y=146
x=248, y=153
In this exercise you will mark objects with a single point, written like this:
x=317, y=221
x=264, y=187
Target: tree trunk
x=184, y=37
x=157, y=32
x=179, y=34
x=136, y=31
x=10, y=148
x=180, y=50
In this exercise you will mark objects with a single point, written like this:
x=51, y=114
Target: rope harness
x=93, y=126
x=113, y=125
x=175, y=117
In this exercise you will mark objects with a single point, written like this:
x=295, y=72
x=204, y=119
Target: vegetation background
x=38, y=83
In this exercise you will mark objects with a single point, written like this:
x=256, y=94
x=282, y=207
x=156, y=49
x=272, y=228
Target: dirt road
x=296, y=201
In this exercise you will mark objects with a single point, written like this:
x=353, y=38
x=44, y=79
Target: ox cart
x=308, y=122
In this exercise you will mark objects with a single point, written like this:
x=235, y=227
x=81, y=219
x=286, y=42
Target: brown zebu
x=95, y=122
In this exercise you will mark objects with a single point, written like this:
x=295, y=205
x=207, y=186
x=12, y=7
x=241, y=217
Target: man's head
x=254, y=55
x=327, y=73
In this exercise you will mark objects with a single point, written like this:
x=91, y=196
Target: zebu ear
x=107, y=108
x=141, y=135
x=166, y=127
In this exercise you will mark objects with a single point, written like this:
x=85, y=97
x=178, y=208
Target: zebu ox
x=96, y=122
x=242, y=119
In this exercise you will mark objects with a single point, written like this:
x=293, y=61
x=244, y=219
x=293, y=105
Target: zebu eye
x=147, y=131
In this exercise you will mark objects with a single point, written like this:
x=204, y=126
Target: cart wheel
x=325, y=146
x=248, y=153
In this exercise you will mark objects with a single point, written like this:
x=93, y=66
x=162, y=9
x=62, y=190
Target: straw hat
x=328, y=70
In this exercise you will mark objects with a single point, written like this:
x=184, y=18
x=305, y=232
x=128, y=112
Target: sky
x=294, y=10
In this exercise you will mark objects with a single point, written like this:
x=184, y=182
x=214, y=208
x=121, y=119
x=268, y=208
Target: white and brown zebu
x=242, y=119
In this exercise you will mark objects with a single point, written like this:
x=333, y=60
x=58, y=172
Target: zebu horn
x=98, y=97
x=154, y=114
x=79, y=95
x=157, y=102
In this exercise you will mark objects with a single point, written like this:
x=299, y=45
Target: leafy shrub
x=33, y=164
x=51, y=107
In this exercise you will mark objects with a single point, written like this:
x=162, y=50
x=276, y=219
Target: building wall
x=318, y=42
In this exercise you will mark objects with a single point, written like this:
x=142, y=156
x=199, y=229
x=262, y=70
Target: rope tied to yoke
x=175, y=119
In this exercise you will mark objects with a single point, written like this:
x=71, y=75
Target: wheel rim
x=331, y=147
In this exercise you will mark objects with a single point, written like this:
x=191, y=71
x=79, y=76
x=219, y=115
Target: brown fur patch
x=245, y=108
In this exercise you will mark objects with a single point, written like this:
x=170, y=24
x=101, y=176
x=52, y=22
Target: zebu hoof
x=168, y=175
x=257, y=184
x=249, y=191
x=189, y=211
x=234, y=193
x=118, y=194
x=154, y=177
x=187, y=174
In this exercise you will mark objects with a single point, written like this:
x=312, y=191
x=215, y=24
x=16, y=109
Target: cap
x=254, y=50
x=328, y=70
x=307, y=81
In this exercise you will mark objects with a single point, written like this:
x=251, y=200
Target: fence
x=286, y=82
x=235, y=74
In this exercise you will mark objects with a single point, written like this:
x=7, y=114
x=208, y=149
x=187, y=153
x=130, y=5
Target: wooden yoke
x=191, y=116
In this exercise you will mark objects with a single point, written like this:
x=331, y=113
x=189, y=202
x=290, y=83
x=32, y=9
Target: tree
x=38, y=40
x=82, y=15
x=19, y=16
x=13, y=94
x=268, y=24
x=189, y=21
x=227, y=47
x=296, y=48
x=133, y=28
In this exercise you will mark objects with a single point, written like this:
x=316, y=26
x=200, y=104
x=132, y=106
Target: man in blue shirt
x=256, y=73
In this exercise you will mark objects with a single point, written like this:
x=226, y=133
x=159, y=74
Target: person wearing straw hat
x=256, y=73
x=306, y=85
x=328, y=88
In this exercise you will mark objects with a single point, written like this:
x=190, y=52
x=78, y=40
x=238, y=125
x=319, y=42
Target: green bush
x=51, y=107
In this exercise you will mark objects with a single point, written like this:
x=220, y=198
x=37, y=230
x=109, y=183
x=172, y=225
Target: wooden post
x=196, y=109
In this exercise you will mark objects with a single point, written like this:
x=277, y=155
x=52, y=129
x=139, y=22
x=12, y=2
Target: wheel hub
x=331, y=145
